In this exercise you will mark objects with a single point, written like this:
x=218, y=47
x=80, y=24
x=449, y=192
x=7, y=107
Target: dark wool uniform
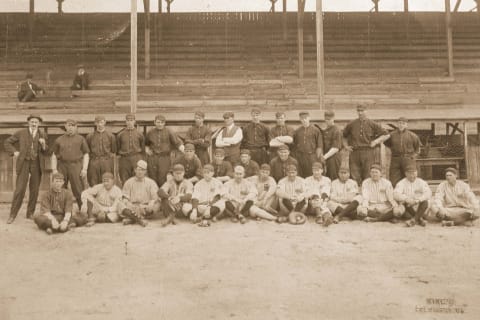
x=103, y=147
x=332, y=138
x=162, y=143
x=58, y=203
x=251, y=169
x=360, y=132
x=29, y=167
x=306, y=140
x=256, y=139
x=223, y=169
x=279, y=131
x=193, y=167
x=201, y=138
x=69, y=150
x=405, y=146
x=278, y=168
x=130, y=144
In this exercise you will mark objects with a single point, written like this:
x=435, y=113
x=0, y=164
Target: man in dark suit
x=28, y=145
x=29, y=90
x=81, y=80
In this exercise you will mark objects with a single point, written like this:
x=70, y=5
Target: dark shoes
x=10, y=220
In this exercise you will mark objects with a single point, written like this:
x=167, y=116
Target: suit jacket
x=24, y=88
x=21, y=141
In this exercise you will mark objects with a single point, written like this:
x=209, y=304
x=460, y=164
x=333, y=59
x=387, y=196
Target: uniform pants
x=158, y=167
x=170, y=209
x=96, y=168
x=29, y=169
x=305, y=161
x=127, y=165
x=43, y=222
x=360, y=161
x=398, y=164
x=71, y=171
x=259, y=155
x=333, y=164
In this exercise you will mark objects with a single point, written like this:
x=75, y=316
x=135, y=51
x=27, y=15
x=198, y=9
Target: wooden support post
x=375, y=2
x=284, y=20
x=146, y=5
x=301, y=7
x=133, y=57
x=169, y=2
x=457, y=5
x=320, y=55
x=448, y=27
x=465, y=145
x=159, y=6
x=31, y=22
x=405, y=5
x=272, y=7
x=478, y=6
x=59, y=6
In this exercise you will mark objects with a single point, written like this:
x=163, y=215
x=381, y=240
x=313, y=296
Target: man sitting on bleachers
x=29, y=90
x=81, y=80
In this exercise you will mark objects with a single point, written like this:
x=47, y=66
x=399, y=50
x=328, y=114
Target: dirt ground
x=260, y=270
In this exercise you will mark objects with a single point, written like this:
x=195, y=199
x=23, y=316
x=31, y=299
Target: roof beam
x=457, y=5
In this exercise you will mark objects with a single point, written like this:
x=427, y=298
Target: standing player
x=332, y=143
x=362, y=136
x=405, y=146
x=413, y=195
x=130, y=148
x=103, y=146
x=229, y=138
x=222, y=170
x=264, y=203
x=280, y=135
x=70, y=158
x=291, y=192
x=256, y=138
x=308, y=145
x=28, y=146
x=159, y=143
x=200, y=136
x=455, y=203
x=344, y=196
x=207, y=200
x=378, y=203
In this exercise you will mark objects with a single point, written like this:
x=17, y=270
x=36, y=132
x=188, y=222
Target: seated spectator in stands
x=454, y=202
x=378, y=203
x=29, y=90
x=413, y=195
x=100, y=202
x=279, y=164
x=265, y=203
x=56, y=207
x=251, y=166
x=222, y=170
x=291, y=192
x=81, y=80
x=318, y=193
x=344, y=196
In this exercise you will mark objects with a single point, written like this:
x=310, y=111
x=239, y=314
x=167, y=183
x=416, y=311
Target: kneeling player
x=239, y=196
x=265, y=201
x=176, y=194
x=100, y=202
x=56, y=209
x=291, y=192
x=413, y=194
x=455, y=203
x=344, y=196
x=378, y=203
x=318, y=192
x=207, y=200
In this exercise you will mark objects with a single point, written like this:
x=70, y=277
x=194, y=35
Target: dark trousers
x=333, y=164
x=26, y=96
x=127, y=165
x=398, y=164
x=259, y=155
x=96, y=168
x=203, y=155
x=360, y=161
x=71, y=171
x=305, y=161
x=158, y=167
x=233, y=158
x=44, y=223
x=30, y=169
x=417, y=215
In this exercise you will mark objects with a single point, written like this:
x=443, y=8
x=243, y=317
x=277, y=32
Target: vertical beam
x=301, y=7
x=133, y=57
x=159, y=6
x=146, y=5
x=320, y=55
x=169, y=2
x=465, y=145
x=31, y=21
x=457, y=5
x=284, y=19
x=405, y=5
x=448, y=28
x=59, y=6
x=375, y=2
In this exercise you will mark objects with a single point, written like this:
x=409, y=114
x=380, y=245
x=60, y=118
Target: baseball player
x=280, y=135
x=344, y=196
x=413, y=195
x=308, y=145
x=318, y=192
x=176, y=196
x=291, y=192
x=191, y=163
x=130, y=145
x=279, y=164
x=223, y=170
x=239, y=196
x=251, y=166
x=200, y=136
x=332, y=144
x=230, y=138
x=264, y=203
x=256, y=138
x=207, y=198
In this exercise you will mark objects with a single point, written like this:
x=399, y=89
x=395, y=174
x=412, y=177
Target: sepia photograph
x=253, y=159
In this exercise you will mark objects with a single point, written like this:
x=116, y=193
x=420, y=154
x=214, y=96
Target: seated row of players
x=260, y=197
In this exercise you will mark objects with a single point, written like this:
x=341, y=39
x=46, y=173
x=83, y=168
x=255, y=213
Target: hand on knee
x=398, y=211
